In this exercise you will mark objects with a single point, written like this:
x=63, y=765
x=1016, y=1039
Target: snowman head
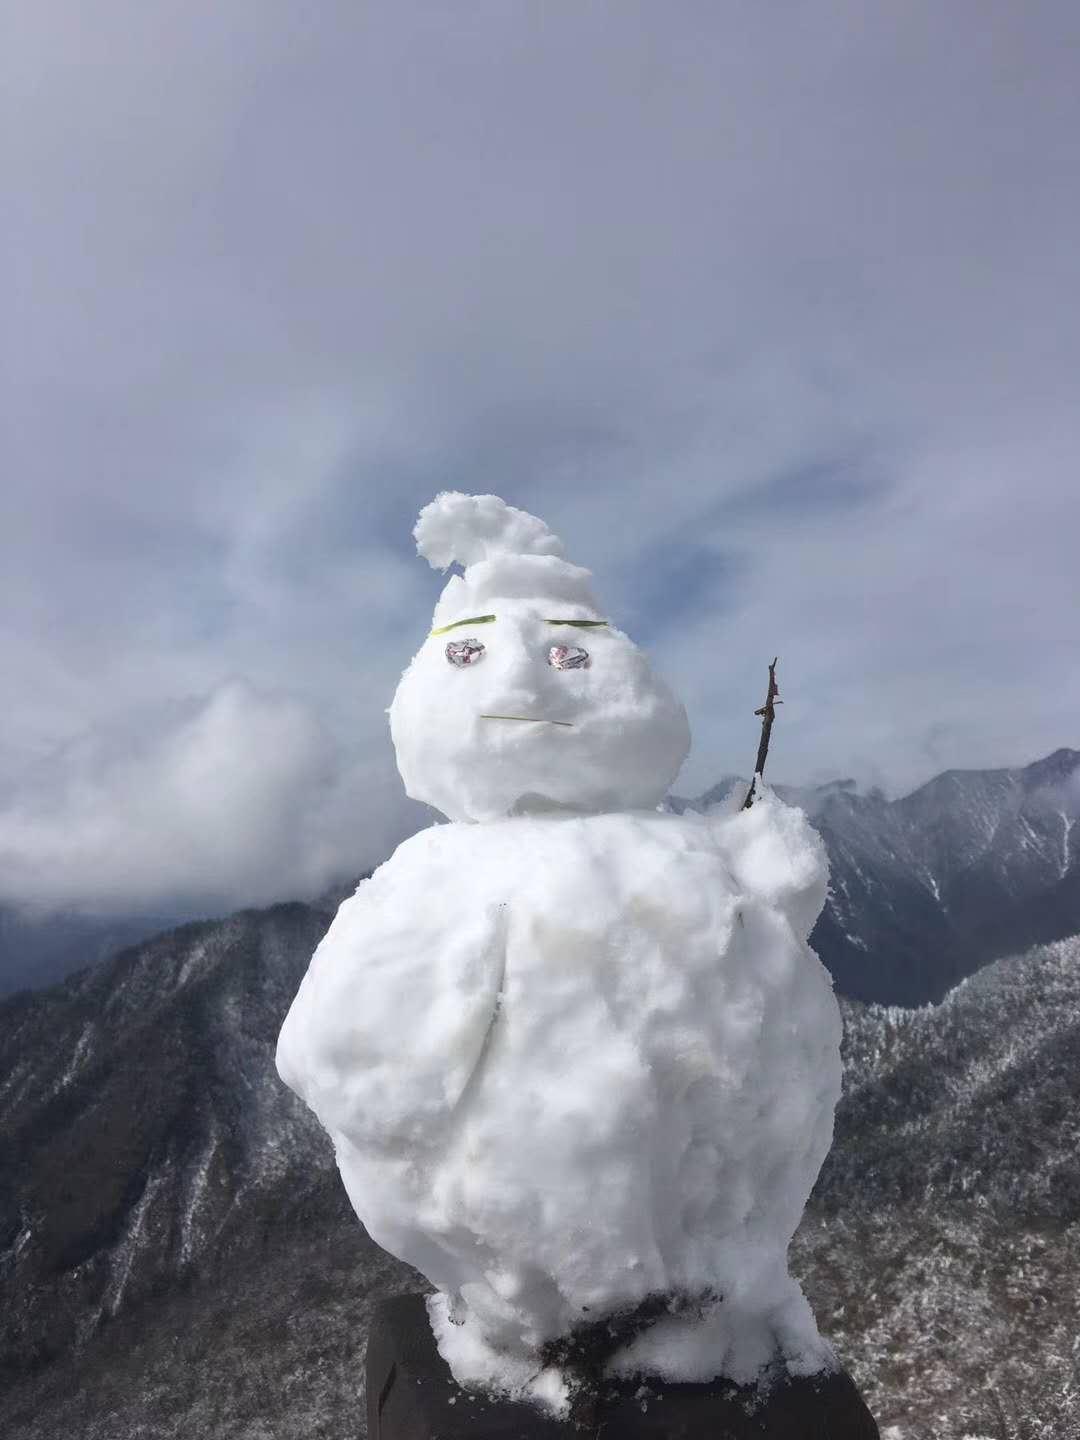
x=525, y=697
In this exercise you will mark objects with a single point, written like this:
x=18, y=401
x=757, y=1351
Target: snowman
x=575, y=1055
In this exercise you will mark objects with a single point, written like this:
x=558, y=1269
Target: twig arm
x=768, y=715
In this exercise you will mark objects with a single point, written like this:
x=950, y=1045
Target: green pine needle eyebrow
x=531, y=720
x=487, y=619
x=581, y=624
x=476, y=620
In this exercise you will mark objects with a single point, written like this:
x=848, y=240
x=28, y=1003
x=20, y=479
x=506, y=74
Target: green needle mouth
x=530, y=720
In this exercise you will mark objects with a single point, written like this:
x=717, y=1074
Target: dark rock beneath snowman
x=413, y=1396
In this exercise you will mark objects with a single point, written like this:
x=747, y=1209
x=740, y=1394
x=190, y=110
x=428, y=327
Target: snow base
x=693, y=1344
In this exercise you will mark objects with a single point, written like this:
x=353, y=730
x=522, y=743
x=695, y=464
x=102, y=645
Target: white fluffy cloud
x=240, y=798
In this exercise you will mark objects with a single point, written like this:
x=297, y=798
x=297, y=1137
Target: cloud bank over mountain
x=242, y=798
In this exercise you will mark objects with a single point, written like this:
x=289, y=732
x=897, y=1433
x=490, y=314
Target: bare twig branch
x=768, y=715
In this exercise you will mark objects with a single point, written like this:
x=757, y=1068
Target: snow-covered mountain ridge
x=927, y=888
x=177, y=1254
x=974, y=864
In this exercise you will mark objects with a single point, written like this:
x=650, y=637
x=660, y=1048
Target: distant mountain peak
x=1055, y=769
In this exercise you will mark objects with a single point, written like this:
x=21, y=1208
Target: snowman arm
x=776, y=855
x=389, y=1031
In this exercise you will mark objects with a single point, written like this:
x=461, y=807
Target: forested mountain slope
x=177, y=1255
x=942, y=1243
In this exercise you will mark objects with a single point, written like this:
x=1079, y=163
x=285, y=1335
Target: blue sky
x=770, y=311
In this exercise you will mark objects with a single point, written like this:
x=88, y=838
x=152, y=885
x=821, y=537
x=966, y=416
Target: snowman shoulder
x=422, y=864
x=775, y=855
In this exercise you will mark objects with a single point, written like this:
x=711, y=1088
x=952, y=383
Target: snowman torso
x=568, y=1061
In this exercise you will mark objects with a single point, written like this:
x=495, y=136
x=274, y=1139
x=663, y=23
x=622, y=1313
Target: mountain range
x=177, y=1255
x=924, y=889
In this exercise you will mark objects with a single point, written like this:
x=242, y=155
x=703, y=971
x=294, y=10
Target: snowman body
x=569, y=1062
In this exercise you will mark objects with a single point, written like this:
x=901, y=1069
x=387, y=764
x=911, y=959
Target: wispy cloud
x=767, y=310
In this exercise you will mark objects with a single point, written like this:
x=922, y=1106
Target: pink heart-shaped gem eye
x=464, y=652
x=568, y=657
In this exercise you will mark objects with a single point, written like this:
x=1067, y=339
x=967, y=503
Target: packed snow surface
x=570, y=1061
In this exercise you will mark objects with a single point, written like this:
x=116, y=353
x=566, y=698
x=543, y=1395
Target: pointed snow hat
x=506, y=553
